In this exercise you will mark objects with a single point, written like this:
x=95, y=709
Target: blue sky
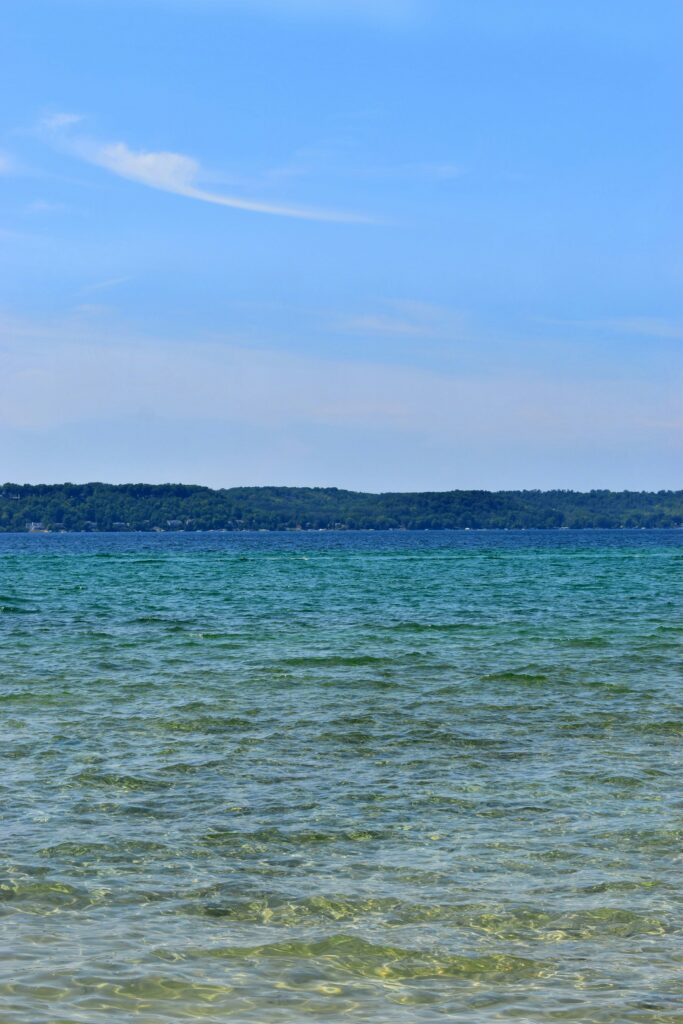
x=378, y=244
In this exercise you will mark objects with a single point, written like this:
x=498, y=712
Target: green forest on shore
x=152, y=507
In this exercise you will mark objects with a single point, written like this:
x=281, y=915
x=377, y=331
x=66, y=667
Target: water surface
x=373, y=777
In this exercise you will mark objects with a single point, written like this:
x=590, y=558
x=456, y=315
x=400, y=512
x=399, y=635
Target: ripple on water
x=341, y=778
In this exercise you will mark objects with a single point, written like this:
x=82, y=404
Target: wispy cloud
x=53, y=122
x=656, y=327
x=44, y=206
x=437, y=171
x=382, y=323
x=102, y=286
x=405, y=318
x=425, y=170
x=7, y=165
x=104, y=371
x=172, y=172
x=337, y=156
x=88, y=391
x=642, y=326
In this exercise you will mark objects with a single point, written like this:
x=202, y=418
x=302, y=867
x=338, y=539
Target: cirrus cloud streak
x=173, y=172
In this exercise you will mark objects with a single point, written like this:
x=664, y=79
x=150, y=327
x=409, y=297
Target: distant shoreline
x=344, y=530
x=171, y=508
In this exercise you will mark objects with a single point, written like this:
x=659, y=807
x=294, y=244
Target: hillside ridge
x=153, y=507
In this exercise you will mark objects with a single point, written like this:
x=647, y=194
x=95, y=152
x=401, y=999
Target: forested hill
x=122, y=507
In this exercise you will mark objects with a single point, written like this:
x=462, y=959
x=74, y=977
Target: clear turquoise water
x=342, y=777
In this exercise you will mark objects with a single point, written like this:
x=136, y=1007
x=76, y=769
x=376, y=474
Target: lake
x=342, y=777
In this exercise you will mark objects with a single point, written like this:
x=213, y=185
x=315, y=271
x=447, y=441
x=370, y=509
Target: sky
x=375, y=244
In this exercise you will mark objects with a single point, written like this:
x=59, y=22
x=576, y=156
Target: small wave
x=436, y=627
x=670, y=727
x=13, y=608
x=204, y=724
x=47, y=897
x=586, y=641
x=358, y=957
x=264, y=837
x=527, y=678
x=337, y=661
x=519, y=923
x=115, y=780
x=123, y=850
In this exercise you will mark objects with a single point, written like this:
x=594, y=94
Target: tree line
x=133, y=507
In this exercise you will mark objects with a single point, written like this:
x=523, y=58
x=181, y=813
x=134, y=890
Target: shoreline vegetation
x=122, y=508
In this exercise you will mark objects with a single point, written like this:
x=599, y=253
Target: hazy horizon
x=383, y=246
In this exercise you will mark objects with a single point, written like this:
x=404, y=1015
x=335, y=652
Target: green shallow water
x=342, y=777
